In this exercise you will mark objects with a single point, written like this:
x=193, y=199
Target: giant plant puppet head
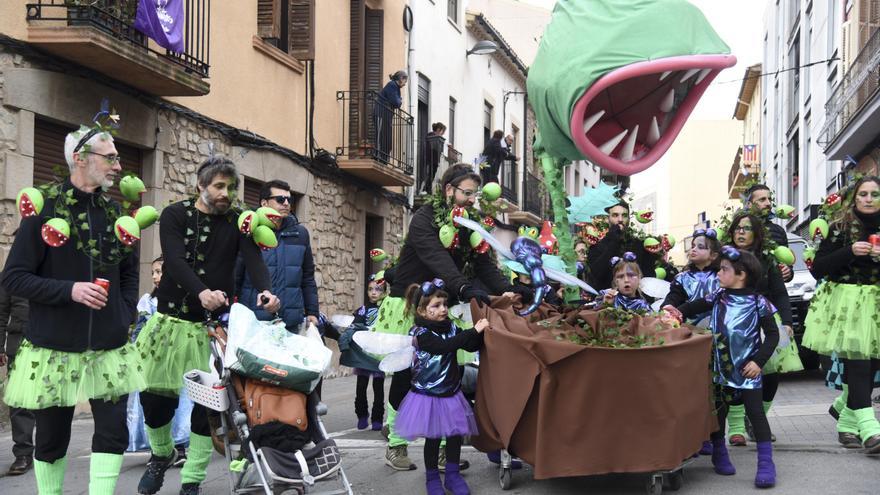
x=615, y=80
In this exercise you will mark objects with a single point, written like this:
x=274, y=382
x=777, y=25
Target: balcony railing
x=453, y=156
x=858, y=86
x=533, y=197
x=376, y=131
x=509, y=179
x=116, y=18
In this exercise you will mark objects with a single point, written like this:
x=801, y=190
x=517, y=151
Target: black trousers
x=753, y=400
x=53, y=429
x=400, y=385
x=159, y=411
x=22, y=422
x=769, y=386
x=858, y=374
x=360, y=398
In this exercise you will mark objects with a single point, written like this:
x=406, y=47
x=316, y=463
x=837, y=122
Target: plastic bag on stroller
x=267, y=351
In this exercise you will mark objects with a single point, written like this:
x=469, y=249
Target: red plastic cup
x=874, y=239
x=103, y=282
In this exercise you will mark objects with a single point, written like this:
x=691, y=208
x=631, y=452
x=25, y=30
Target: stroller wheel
x=504, y=477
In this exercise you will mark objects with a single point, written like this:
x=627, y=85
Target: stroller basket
x=199, y=386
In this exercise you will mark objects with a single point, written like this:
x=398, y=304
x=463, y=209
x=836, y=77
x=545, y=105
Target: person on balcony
x=434, y=142
x=387, y=102
x=495, y=154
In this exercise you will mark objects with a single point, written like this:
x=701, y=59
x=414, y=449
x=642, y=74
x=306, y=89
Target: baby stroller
x=262, y=469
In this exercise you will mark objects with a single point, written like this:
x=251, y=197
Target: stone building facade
x=343, y=213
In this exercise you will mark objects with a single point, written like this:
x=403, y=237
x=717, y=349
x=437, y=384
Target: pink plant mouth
x=630, y=117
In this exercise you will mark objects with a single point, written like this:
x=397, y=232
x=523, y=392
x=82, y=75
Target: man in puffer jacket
x=291, y=266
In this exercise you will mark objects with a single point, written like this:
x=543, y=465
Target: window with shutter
x=301, y=32
x=269, y=19
x=252, y=192
x=49, y=162
x=373, y=31
x=288, y=25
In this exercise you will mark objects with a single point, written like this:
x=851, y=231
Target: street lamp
x=484, y=47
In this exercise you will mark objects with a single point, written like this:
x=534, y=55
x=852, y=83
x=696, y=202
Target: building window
x=452, y=11
x=794, y=171
x=451, y=121
x=514, y=146
x=808, y=167
x=833, y=26
x=794, y=80
x=808, y=54
x=487, y=122
x=288, y=25
x=252, y=192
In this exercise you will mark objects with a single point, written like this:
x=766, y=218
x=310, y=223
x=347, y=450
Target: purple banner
x=162, y=21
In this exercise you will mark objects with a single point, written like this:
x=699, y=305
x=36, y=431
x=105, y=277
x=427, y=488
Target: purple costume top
x=628, y=303
x=697, y=284
x=737, y=318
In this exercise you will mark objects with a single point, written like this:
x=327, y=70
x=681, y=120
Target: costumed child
x=624, y=292
x=366, y=315
x=435, y=408
x=137, y=433
x=739, y=314
x=747, y=232
x=700, y=277
x=843, y=314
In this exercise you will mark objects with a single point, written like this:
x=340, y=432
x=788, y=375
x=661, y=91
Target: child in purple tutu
x=366, y=315
x=435, y=408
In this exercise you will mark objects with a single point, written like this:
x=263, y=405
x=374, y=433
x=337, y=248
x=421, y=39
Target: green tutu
x=844, y=318
x=393, y=318
x=169, y=347
x=42, y=378
x=786, y=359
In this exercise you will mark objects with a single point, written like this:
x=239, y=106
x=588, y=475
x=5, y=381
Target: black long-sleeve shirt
x=836, y=262
x=424, y=258
x=45, y=276
x=197, y=259
x=615, y=243
x=773, y=288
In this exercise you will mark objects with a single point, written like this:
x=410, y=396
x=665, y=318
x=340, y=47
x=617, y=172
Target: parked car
x=800, y=292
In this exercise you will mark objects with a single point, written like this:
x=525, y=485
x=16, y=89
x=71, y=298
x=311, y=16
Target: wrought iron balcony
x=100, y=34
x=855, y=99
x=509, y=179
x=377, y=139
x=532, y=210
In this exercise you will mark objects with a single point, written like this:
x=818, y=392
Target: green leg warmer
x=840, y=401
x=847, y=423
x=197, y=458
x=736, y=421
x=393, y=439
x=868, y=424
x=767, y=406
x=103, y=473
x=50, y=476
x=161, y=442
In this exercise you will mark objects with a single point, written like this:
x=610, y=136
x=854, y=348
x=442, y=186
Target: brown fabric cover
x=571, y=410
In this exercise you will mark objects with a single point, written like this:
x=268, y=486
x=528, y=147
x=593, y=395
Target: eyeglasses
x=730, y=253
x=709, y=233
x=744, y=228
x=280, y=199
x=627, y=256
x=467, y=194
x=111, y=159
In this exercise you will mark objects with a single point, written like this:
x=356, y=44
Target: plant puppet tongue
x=127, y=230
x=55, y=232
x=29, y=202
